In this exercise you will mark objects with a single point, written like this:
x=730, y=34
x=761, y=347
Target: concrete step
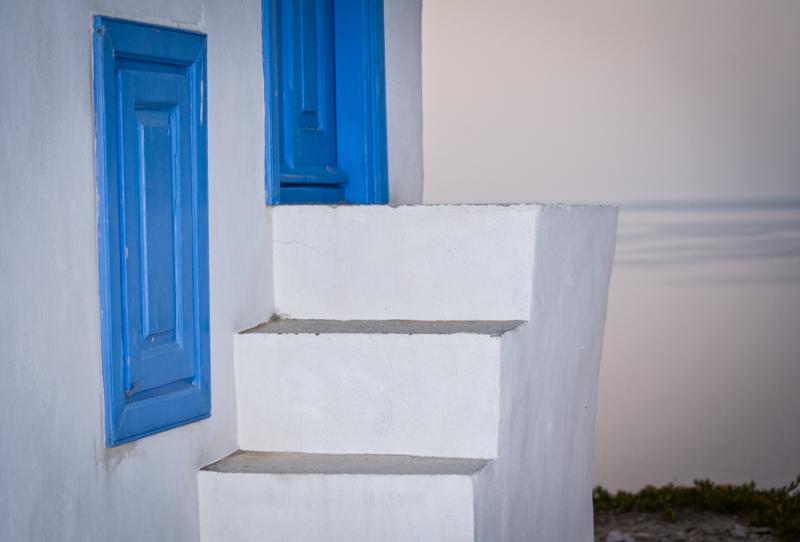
x=289, y=497
x=499, y=362
x=426, y=262
x=371, y=387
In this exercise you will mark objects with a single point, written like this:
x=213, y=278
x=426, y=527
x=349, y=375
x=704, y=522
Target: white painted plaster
x=369, y=393
x=540, y=486
x=236, y=507
x=57, y=480
x=407, y=262
x=403, y=42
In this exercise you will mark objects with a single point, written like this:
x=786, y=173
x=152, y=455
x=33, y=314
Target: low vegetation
x=778, y=509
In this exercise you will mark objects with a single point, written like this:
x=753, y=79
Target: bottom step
x=310, y=497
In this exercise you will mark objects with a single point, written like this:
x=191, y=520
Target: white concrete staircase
x=432, y=376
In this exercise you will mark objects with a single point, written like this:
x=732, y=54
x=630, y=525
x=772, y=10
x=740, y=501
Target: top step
x=426, y=262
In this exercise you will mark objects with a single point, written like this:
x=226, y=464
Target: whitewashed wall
x=57, y=480
x=402, y=22
x=687, y=113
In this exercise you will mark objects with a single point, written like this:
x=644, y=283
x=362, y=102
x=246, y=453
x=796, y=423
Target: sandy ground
x=688, y=527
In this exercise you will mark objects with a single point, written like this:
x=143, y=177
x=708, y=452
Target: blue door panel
x=323, y=61
x=153, y=227
x=308, y=84
x=308, y=98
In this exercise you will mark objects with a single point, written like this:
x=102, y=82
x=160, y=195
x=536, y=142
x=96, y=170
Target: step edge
x=298, y=463
x=313, y=326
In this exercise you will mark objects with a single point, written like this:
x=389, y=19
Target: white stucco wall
x=385, y=392
x=687, y=114
x=540, y=486
x=57, y=480
x=402, y=39
x=324, y=255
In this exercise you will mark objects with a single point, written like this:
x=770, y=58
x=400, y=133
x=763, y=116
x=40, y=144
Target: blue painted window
x=150, y=111
x=325, y=97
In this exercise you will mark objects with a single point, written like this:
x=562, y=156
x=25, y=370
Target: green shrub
x=778, y=508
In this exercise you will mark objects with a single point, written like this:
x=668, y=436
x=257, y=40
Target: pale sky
x=687, y=114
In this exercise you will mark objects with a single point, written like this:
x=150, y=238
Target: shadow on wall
x=711, y=242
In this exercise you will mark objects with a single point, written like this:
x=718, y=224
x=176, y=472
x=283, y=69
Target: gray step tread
x=300, y=463
x=391, y=327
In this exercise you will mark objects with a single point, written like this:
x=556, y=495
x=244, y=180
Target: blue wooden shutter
x=151, y=152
